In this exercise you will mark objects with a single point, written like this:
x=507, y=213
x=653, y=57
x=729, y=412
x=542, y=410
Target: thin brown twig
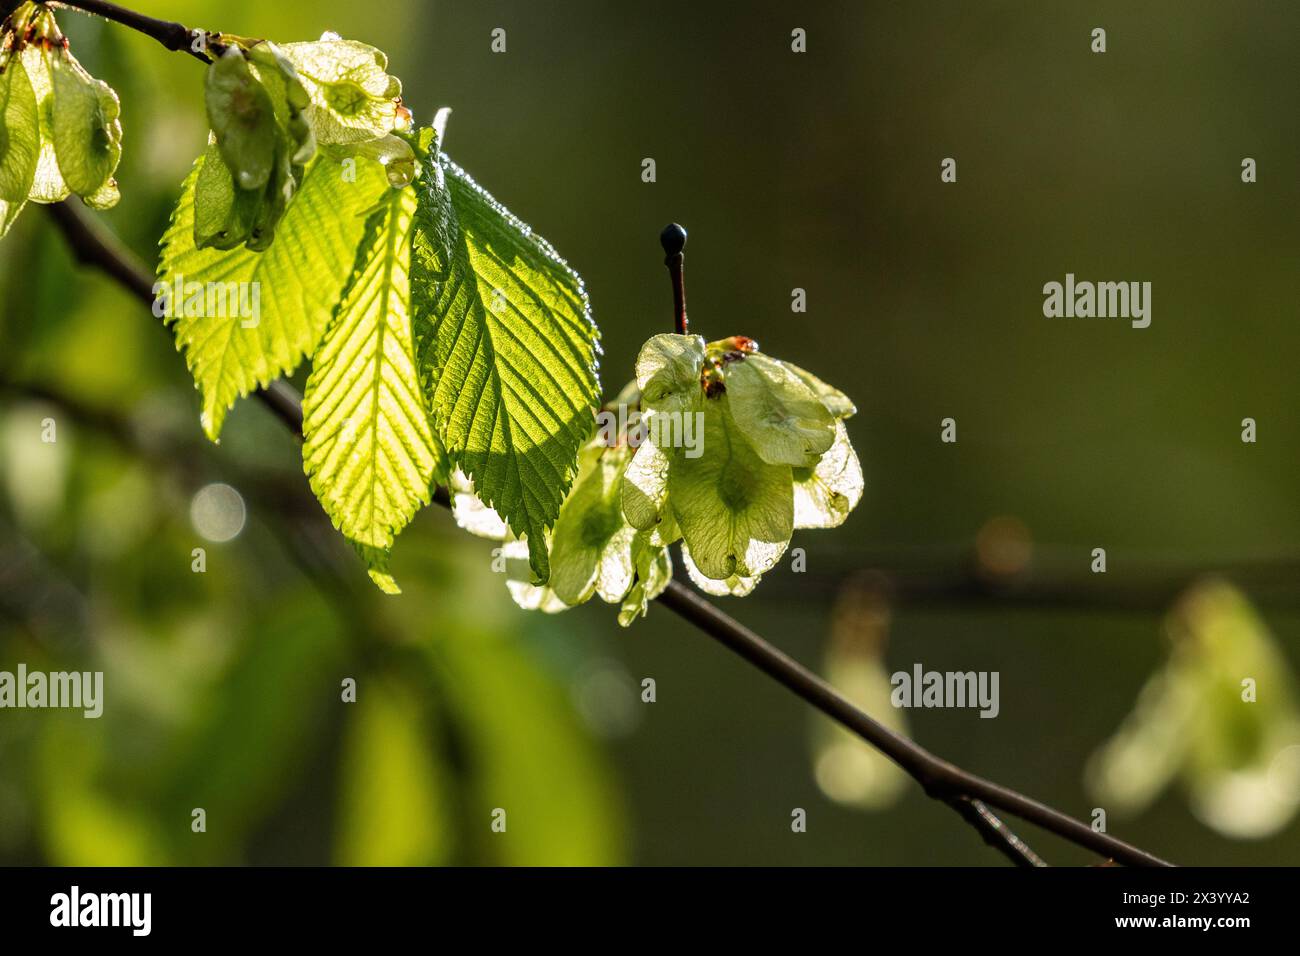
x=172, y=35
x=996, y=833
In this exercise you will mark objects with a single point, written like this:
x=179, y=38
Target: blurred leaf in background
x=1220, y=716
x=848, y=770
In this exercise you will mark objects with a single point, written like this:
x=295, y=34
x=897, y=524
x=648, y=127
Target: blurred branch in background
x=1003, y=566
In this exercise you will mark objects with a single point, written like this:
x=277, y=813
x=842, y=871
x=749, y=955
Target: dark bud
x=673, y=239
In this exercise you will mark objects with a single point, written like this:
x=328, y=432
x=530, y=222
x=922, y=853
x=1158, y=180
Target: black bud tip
x=673, y=239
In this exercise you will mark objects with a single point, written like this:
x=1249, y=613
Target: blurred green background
x=818, y=171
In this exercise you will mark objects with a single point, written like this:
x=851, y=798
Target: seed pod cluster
x=269, y=107
x=741, y=449
x=59, y=128
x=717, y=446
x=259, y=148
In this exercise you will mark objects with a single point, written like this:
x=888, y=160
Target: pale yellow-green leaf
x=591, y=542
x=47, y=183
x=645, y=485
x=20, y=138
x=393, y=801
x=654, y=570
x=735, y=585
x=735, y=510
x=824, y=496
x=836, y=402
x=668, y=373
x=85, y=129
x=376, y=561
x=352, y=96
x=368, y=446
x=299, y=280
x=780, y=416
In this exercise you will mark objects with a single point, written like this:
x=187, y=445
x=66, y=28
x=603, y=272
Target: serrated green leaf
x=508, y=350
x=780, y=416
x=471, y=514
x=84, y=127
x=352, y=96
x=368, y=446
x=376, y=560
x=824, y=496
x=300, y=279
x=20, y=135
x=519, y=581
x=735, y=510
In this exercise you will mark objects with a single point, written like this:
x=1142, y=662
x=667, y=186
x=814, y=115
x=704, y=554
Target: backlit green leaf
x=785, y=421
x=836, y=402
x=645, y=485
x=298, y=281
x=824, y=495
x=19, y=133
x=668, y=373
x=368, y=446
x=47, y=184
x=86, y=132
x=735, y=585
x=654, y=569
x=352, y=96
x=735, y=510
x=507, y=348
x=591, y=543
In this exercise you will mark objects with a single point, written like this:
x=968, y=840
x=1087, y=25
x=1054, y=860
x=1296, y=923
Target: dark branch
x=996, y=833
x=673, y=239
x=174, y=36
x=938, y=777
x=965, y=792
